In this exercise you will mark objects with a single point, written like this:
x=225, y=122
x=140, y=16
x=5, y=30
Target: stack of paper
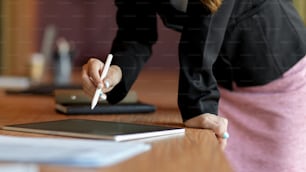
x=76, y=152
x=14, y=82
x=19, y=168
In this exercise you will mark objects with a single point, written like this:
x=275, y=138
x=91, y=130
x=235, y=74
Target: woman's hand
x=91, y=74
x=209, y=121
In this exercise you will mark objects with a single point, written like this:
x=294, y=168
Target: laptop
x=94, y=129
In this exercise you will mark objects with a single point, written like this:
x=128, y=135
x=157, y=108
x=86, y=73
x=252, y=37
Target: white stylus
x=99, y=92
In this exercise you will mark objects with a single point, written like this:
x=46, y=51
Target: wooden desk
x=197, y=150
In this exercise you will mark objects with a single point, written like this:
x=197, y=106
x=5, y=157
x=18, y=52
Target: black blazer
x=249, y=42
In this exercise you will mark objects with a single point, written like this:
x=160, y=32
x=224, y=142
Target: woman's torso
x=264, y=39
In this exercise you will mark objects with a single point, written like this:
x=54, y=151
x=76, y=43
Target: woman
x=244, y=64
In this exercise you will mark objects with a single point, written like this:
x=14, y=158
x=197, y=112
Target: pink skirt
x=267, y=124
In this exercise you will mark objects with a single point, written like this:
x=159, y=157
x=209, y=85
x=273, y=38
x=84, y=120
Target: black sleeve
x=200, y=44
x=137, y=32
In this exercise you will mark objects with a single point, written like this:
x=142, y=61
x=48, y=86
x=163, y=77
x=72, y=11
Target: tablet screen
x=118, y=131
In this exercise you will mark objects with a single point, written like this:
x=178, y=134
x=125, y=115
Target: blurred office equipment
x=62, y=61
x=18, y=29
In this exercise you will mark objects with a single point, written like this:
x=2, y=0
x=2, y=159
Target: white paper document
x=75, y=152
x=19, y=168
x=14, y=82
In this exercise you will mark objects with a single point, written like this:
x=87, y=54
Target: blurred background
x=36, y=26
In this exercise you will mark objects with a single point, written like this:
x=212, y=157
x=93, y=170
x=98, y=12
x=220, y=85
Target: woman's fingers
x=209, y=121
x=91, y=77
x=94, y=70
x=87, y=82
x=113, y=77
x=223, y=143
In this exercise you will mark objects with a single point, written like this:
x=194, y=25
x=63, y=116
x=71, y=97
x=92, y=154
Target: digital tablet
x=76, y=102
x=94, y=129
x=103, y=109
